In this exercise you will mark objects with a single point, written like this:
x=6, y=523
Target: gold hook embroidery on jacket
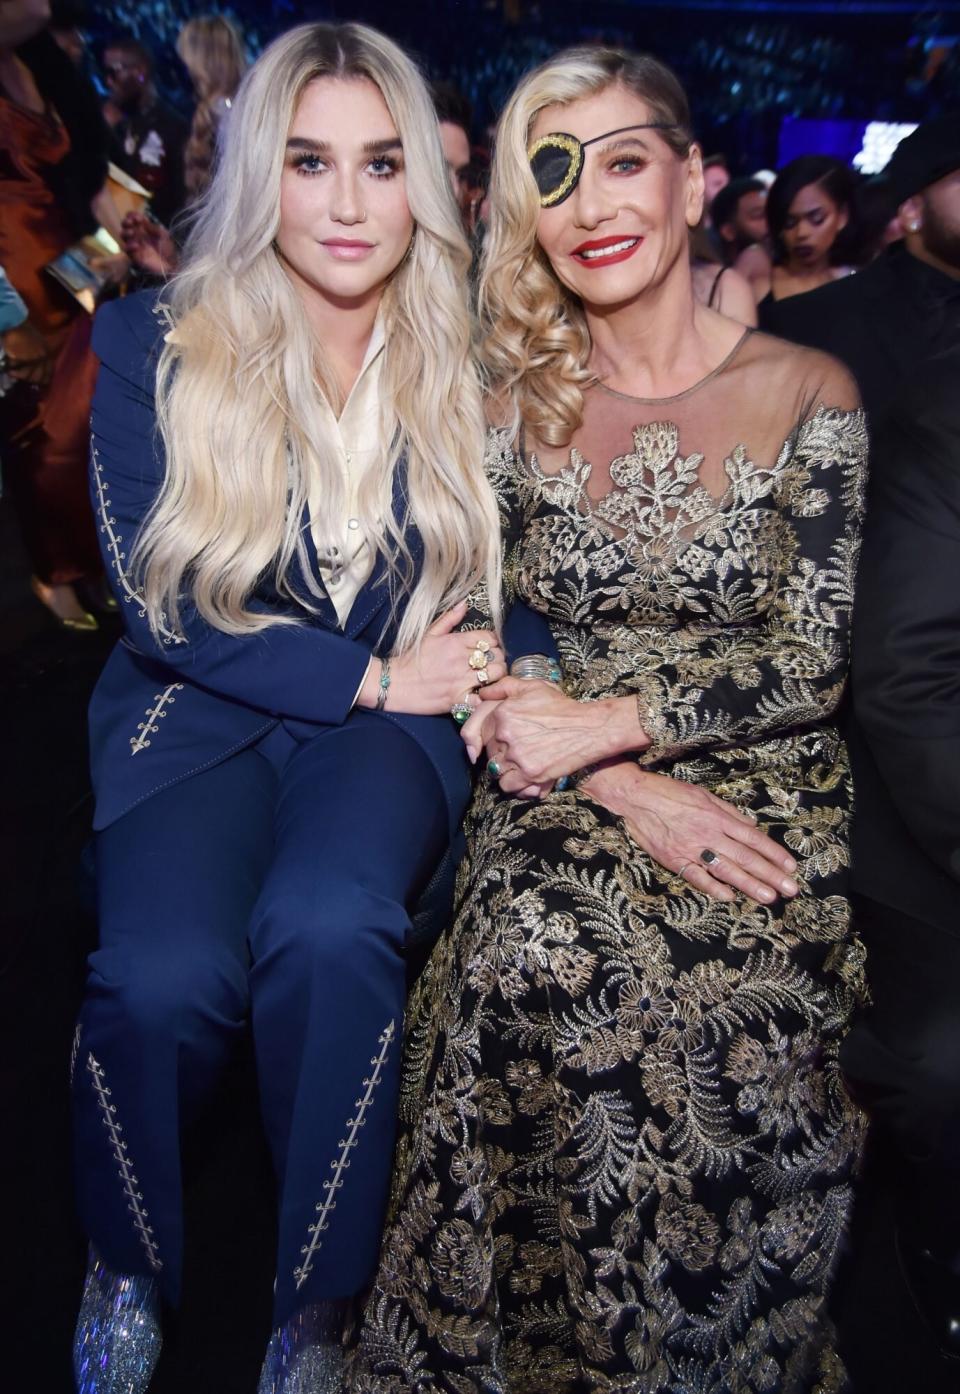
x=154, y=714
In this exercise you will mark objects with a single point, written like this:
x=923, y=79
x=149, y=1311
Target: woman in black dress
x=626, y=1149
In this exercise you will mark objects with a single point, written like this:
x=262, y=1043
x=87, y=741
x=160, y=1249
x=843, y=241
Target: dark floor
x=46, y=927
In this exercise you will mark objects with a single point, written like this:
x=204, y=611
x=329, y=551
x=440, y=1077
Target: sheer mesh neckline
x=678, y=396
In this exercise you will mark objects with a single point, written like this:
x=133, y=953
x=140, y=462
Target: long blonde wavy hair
x=536, y=343
x=240, y=376
x=212, y=52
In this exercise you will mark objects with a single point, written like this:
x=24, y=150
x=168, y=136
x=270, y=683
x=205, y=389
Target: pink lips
x=347, y=249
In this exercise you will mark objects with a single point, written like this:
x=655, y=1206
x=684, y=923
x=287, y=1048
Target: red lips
x=598, y=245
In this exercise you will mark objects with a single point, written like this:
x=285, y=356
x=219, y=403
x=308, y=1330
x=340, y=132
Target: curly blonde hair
x=536, y=343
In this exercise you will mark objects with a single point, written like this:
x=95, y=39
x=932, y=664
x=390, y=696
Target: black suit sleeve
x=906, y=656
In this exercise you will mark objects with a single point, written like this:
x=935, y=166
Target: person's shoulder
x=809, y=373
x=129, y=331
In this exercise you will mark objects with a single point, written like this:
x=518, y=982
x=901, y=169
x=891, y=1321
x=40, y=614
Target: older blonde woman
x=627, y=1148
x=287, y=466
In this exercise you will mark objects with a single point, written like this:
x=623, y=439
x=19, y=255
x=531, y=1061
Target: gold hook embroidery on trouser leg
x=340, y=1163
x=124, y=1161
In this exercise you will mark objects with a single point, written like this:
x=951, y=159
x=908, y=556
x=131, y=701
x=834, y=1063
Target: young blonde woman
x=626, y=1151
x=287, y=467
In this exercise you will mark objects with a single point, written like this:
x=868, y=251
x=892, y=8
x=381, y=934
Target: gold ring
x=480, y=656
x=482, y=676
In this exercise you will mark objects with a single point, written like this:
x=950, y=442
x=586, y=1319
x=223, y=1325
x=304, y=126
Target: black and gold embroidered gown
x=626, y=1148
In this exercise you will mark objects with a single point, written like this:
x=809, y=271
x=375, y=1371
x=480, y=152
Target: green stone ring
x=493, y=768
x=461, y=712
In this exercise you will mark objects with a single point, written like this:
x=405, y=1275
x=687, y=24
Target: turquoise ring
x=493, y=768
x=461, y=712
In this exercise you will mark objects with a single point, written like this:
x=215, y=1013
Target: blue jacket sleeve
x=301, y=671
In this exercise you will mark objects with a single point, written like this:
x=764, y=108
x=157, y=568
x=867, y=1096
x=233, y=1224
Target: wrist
x=622, y=730
x=369, y=692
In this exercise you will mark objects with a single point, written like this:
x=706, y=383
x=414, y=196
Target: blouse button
x=353, y=523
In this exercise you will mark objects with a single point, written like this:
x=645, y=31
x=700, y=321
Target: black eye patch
x=556, y=160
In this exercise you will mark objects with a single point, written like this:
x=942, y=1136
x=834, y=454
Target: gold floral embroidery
x=626, y=1146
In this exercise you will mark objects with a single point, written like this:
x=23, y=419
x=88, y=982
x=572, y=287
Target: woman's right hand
x=431, y=680
x=674, y=822
x=148, y=244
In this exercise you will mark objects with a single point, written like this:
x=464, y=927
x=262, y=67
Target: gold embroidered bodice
x=699, y=551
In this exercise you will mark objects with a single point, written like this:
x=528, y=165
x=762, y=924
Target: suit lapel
x=325, y=609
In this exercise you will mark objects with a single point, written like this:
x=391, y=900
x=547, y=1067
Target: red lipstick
x=595, y=253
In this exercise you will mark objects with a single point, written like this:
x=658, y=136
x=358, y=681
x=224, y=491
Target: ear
x=693, y=208
x=910, y=213
x=844, y=219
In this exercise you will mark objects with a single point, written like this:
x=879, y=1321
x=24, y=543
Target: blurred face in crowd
x=125, y=76
x=345, y=223
x=715, y=178
x=936, y=214
x=750, y=219
x=814, y=222
x=456, y=154
x=624, y=228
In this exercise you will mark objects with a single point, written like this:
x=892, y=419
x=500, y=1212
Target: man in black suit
x=903, y=1054
x=904, y=306
x=897, y=327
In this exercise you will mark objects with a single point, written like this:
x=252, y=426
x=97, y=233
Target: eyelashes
x=627, y=164
x=379, y=167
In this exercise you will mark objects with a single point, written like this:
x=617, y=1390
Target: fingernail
x=473, y=754
x=766, y=894
x=789, y=887
x=789, y=864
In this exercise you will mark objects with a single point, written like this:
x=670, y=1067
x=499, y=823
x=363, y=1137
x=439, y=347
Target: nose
x=347, y=204
x=590, y=206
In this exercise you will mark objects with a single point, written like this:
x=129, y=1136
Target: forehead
x=754, y=201
x=337, y=107
x=810, y=198
x=593, y=116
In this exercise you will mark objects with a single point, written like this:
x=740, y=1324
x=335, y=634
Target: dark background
x=746, y=67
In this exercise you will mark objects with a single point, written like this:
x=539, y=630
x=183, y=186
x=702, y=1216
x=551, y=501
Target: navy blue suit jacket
x=163, y=711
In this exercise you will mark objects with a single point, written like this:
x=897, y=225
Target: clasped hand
x=536, y=734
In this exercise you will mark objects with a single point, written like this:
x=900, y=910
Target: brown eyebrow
x=628, y=144
x=369, y=147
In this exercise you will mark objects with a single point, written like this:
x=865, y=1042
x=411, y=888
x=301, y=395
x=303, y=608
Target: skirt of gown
x=626, y=1148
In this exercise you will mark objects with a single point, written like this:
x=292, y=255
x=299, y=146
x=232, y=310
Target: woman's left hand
x=537, y=734
x=477, y=730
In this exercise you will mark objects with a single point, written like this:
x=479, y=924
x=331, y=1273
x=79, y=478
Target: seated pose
x=287, y=469
x=626, y=1147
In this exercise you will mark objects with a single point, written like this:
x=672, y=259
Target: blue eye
x=308, y=164
x=383, y=167
x=627, y=164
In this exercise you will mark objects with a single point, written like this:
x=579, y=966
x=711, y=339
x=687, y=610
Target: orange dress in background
x=46, y=431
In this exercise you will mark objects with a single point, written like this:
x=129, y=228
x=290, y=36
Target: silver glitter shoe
x=117, y=1341
x=306, y=1355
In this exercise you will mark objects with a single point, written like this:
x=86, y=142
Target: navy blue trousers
x=274, y=888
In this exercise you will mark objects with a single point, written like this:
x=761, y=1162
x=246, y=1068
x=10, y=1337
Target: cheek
x=298, y=201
